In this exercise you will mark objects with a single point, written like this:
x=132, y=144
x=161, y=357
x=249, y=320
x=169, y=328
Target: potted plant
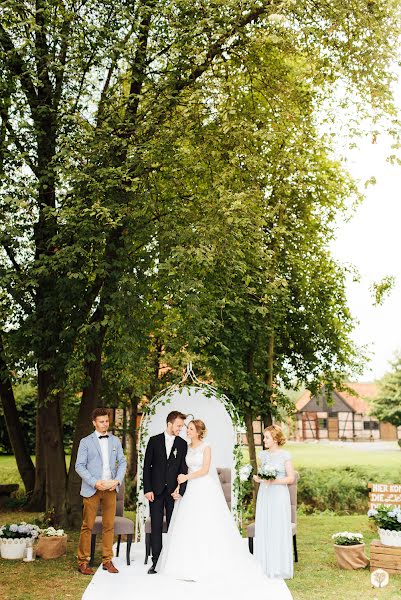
x=388, y=521
x=349, y=549
x=52, y=543
x=13, y=538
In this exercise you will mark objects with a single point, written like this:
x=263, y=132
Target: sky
x=371, y=241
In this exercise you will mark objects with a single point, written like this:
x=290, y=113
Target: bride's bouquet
x=267, y=472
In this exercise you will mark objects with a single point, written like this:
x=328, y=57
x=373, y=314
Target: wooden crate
x=385, y=557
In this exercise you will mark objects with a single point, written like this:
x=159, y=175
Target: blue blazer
x=89, y=463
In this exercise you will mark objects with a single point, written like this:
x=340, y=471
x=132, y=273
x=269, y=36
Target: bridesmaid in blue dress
x=273, y=534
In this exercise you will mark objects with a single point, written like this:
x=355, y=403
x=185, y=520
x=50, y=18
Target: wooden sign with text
x=388, y=494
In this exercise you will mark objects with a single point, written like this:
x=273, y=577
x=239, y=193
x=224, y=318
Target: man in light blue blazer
x=101, y=465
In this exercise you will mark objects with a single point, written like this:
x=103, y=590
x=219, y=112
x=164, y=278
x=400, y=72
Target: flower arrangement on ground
x=388, y=521
x=52, y=543
x=14, y=537
x=347, y=538
x=19, y=530
x=349, y=549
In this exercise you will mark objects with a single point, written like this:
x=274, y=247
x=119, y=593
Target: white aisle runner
x=133, y=582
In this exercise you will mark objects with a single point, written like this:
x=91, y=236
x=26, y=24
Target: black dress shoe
x=152, y=570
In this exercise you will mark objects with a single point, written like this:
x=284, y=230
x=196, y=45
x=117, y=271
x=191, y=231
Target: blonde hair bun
x=200, y=428
x=277, y=434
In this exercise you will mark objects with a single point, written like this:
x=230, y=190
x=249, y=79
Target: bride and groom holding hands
x=203, y=542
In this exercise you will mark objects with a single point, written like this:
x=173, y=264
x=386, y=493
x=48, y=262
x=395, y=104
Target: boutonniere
x=175, y=452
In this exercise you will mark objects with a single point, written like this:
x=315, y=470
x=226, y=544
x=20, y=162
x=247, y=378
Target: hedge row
x=343, y=490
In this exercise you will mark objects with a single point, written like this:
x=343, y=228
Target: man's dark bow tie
x=102, y=437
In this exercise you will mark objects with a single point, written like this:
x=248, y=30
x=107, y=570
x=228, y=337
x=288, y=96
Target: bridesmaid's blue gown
x=273, y=533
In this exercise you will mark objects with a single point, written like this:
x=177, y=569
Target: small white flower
x=245, y=472
x=344, y=537
x=52, y=532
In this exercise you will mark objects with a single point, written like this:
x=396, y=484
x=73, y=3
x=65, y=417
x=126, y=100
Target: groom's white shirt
x=104, y=447
x=169, y=439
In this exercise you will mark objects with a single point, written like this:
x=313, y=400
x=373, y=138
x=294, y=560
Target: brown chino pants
x=108, y=500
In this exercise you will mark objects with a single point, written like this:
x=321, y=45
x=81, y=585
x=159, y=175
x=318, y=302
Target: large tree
x=91, y=91
x=387, y=404
x=249, y=273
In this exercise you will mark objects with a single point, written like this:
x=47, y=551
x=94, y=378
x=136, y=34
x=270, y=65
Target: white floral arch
x=200, y=401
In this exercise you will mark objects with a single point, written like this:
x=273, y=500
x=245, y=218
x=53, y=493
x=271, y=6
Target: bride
x=203, y=542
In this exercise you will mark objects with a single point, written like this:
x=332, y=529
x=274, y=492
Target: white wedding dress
x=203, y=543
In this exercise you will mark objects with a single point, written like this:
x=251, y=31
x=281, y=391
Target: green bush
x=343, y=490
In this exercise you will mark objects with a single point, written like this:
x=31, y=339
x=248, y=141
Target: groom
x=164, y=461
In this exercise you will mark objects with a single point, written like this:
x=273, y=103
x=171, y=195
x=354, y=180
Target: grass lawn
x=323, y=455
x=317, y=576
x=43, y=579
x=326, y=455
x=8, y=470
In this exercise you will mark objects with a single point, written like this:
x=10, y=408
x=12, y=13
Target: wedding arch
x=224, y=428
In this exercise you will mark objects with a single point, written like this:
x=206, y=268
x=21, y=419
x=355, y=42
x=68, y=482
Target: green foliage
x=381, y=289
x=343, y=490
x=386, y=517
x=26, y=401
x=387, y=404
x=26, y=398
x=167, y=193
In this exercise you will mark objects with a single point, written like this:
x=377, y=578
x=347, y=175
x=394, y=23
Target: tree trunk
x=38, y=498
x=25, y=465
x=51, y=431
x=90, y=400
x=52, y=471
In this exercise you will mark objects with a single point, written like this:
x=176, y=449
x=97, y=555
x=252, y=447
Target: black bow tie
x=102, y=437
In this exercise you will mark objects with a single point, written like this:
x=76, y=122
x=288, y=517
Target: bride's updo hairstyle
x=277, y=434
x=200, y=428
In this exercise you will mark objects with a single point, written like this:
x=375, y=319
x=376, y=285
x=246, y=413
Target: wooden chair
x=293, y=499
x=122, y=526
x=225, y=480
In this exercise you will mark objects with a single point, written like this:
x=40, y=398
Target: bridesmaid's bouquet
x=267, y=472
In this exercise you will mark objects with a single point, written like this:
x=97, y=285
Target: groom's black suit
x=160, y=477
